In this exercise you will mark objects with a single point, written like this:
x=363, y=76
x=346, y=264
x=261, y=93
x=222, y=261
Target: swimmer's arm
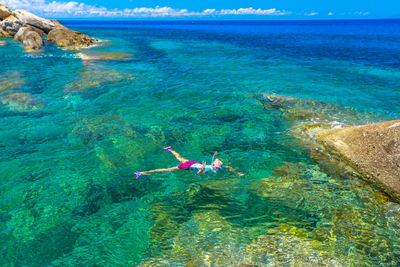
x=203, y=167
x=160, y=170
x=234, y=171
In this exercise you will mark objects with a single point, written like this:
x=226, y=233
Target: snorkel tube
x=212, y=159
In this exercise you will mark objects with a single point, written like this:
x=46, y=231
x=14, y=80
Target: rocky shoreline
x=30, y=30
x=370, y=151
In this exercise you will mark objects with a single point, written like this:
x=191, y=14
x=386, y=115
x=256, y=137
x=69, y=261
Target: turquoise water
x=72, y=133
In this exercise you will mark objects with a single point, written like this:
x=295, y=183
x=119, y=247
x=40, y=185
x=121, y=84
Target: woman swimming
x=191, y=165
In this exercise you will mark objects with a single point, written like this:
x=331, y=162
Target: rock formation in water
x=373, y=150
x=69, y=39
x=25, y=27
x=4, y=11
x=96, y=56
x=370, y=151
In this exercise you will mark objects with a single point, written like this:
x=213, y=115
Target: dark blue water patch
x=364, y=41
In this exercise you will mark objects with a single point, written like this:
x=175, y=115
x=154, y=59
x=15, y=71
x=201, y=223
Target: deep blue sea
x=72, y=132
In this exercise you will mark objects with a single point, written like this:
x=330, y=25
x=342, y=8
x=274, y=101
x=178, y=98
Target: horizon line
x=219, y=19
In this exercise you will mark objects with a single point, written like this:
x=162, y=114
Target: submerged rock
x=373, y=150
x=207, y=239
x=22, y=102
x=70, y=39
x=11, y=84
x=285, y=250
x=94, y=56
x=296, y=109
x=94, y=76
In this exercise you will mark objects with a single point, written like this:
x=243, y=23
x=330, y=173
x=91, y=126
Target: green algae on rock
x=22, y=102
x=286, y=250
x=92, y=77
x=12, y=96
x=373, y=150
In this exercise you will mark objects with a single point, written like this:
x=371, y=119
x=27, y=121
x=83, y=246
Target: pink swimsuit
x=186, y=165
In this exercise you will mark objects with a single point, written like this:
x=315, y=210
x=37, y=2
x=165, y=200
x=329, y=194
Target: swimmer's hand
x=203, y=167
x=234, y=171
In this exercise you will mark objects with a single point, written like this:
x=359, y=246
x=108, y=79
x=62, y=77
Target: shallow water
x=72, y=133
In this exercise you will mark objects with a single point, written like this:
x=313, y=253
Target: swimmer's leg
x=160, y=170
x=177, y=156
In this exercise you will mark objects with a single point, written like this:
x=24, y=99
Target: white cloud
x=72, y=8
x=330, y=14
x=311, y=14
x=361, y=13
x=252, y=11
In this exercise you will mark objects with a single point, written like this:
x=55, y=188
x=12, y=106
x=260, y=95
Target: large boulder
x=372, y=150
x=69, y=39
x=28, y=18
x=4, y=11
x=21, y=34
x=11, y=25
x=33, y=41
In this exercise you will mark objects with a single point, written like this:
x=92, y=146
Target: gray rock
x=28, y=18
x=21, y=34
x=33, y=41
x=11, y=25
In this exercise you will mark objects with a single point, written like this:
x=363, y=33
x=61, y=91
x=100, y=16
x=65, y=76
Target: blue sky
x=211, y=9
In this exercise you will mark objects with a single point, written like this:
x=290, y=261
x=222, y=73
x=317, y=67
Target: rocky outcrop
x=31, y=37
x=21, y=34
x=370, y=151
x=12, y=22
x=373, y=150
x=4, y=34
x=11, y=25
x=32, y=41
x=70, y=39
x=28, y=18
x=4, y=11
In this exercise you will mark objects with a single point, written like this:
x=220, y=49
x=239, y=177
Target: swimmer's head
x=217, y=163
